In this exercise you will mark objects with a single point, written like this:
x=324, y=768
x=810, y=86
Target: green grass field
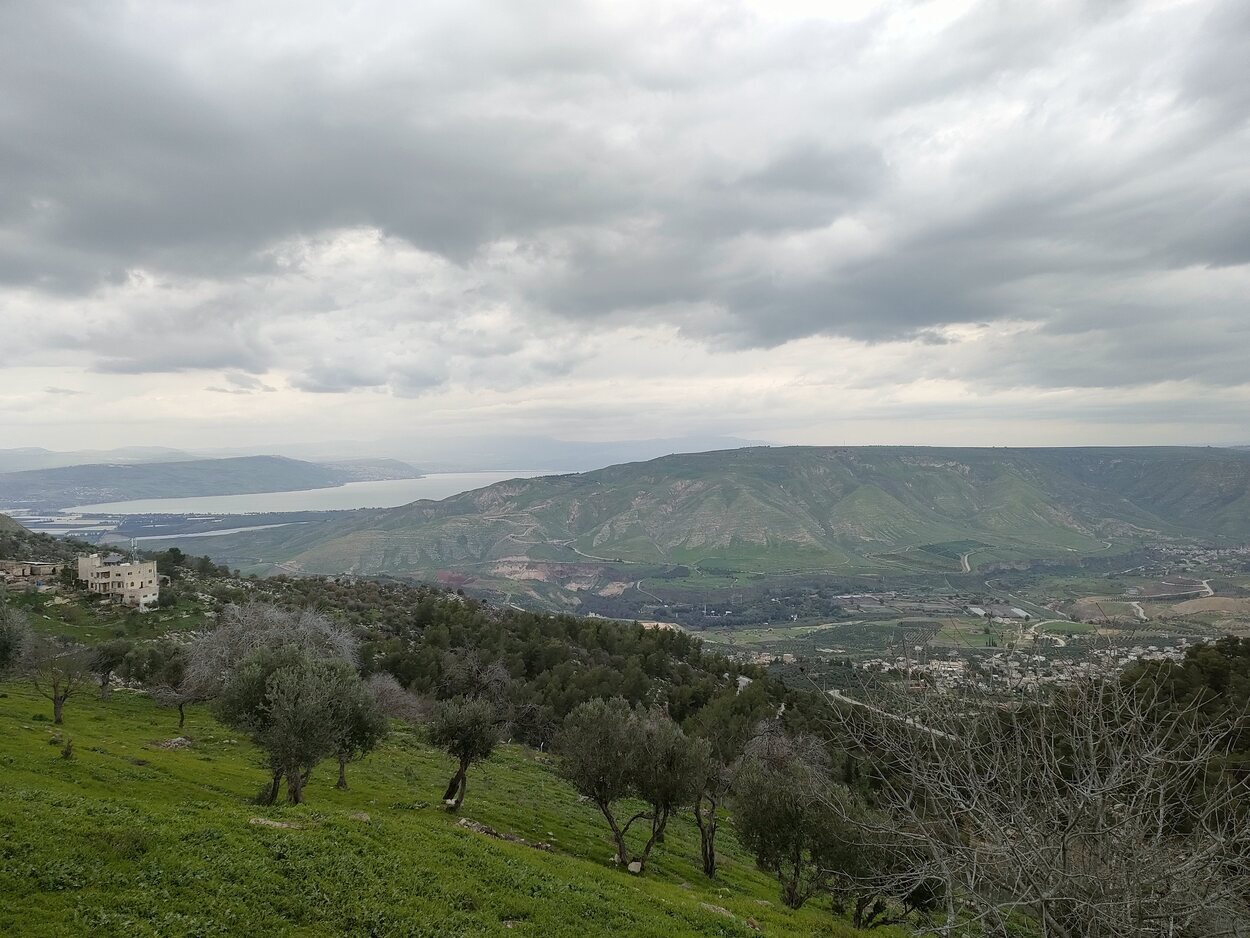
x=971, y=633
x=1060, y=627
x=128, y=838
x=76, y=617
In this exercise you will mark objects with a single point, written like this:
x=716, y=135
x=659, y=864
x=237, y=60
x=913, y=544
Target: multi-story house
x=134, y=584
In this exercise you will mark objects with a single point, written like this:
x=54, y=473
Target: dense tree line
x=1213, y=679
x=552, y=662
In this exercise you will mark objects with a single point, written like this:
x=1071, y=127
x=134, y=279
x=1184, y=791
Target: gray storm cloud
x=178, y=184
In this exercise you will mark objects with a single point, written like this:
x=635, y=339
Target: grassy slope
x=19, y=543
x=128, y=839
x=81, y=620
x=791, y=509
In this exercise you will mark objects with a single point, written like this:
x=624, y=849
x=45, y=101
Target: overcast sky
x=949, y=222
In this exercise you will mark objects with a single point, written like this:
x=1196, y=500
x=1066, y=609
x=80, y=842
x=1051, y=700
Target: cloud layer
x=616, y=219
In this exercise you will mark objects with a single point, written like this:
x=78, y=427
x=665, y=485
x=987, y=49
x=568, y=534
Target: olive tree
x=365, y=726
x=783, y=812
x=721, y=729
x=467, y=730
x=609, y=752
x=57, y=670
x=242, y=631
x=108, y=657
x=594, y=747
x=665, y=773
x=294, y=706
x=877, y=876
x=713, y=782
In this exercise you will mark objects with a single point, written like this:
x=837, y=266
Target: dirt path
x=838, y=695
x=1026, y=604
x=1059, y=640
x=638, y=587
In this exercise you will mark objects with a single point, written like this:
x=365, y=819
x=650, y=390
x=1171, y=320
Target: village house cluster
x=29, y=574
x=1022, y=673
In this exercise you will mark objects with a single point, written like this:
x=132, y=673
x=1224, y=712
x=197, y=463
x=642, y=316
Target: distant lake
x=387, y=494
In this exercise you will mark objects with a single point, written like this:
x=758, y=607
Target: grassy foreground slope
x=129, y=838
x=788, y=510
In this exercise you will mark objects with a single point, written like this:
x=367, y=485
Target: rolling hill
x=785, y=510
x=64, y=486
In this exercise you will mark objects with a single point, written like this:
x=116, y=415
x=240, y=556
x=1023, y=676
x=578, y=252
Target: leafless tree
x=1103, y=813
x=395, y=701
x=57, y=670
x=245, y=629
x=467, y=674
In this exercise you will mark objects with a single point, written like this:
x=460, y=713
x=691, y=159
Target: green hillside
x=19, y=543
x=785, y=510
x=130, y=837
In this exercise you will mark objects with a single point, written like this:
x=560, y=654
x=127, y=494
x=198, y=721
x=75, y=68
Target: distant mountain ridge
x=787, y=509
x=24, y=458
x=66, y=486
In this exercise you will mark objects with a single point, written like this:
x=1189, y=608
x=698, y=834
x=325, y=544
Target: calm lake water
x=386, y=494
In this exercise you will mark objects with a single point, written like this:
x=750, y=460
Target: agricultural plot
x=853, y=639
x=1061, y=627
x=972, y=633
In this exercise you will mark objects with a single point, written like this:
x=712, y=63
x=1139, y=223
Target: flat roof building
x=31, y=568
x=132, y=584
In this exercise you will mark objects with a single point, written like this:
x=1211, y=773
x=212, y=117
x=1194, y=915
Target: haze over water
x=385, y=494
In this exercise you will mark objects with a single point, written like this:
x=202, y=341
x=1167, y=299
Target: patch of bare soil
x=480, y=828
x=178, y=742
x=1226, y=604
